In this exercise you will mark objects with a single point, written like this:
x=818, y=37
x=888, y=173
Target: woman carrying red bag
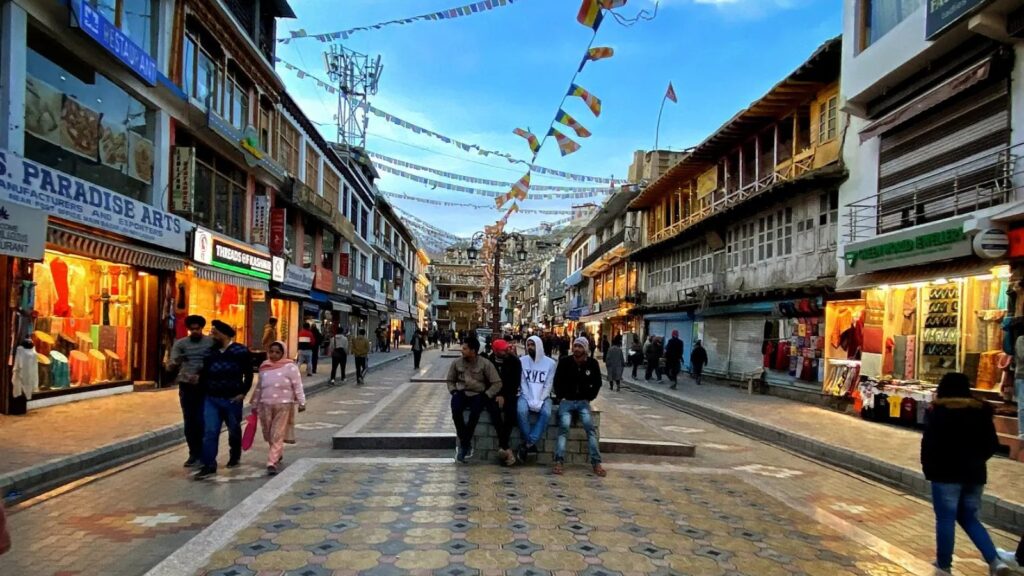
x=279, y=389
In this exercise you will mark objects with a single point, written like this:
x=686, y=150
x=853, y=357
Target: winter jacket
x=360, y=346
x=674, y=350
x=511, y=372
x=959, y=438
x=479, y=377
x=538, y=376
x=280, y=386
x=227, y=373
x=307, y=339
x=575, y=381
x=614, y=362
x=652, y=352
x=699, y=357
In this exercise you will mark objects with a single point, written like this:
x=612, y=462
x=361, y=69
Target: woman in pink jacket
x=279, y=389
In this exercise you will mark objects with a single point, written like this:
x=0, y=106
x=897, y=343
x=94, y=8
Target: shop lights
x=939, y=282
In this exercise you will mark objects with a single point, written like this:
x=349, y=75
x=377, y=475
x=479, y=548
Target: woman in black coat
x=959, y=438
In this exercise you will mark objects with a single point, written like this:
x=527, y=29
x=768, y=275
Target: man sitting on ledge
x=473, y=382
x=577, y=382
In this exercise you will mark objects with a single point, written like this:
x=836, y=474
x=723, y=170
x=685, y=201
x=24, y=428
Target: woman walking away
x=279, y=389
x=959, y=438
x=614, y=362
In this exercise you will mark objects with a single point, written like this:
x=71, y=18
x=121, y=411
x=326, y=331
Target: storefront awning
x=223, y=277
x=603, y=315
x=116, y=252
x=318, y=296
x=289, y=294
x=574, y=278
x=949, y=270
x=340, y=306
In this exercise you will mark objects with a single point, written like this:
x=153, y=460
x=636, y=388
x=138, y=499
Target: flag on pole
x=599, y=53
x=530, y=139
x=671, y=93
x=571, y=122
x=590, y=14
x=593, y=102
x=500, y=200
x=521, y=188
x=566, y=145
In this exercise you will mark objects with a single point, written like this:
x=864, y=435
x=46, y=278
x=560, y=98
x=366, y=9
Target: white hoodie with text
x=538, y=376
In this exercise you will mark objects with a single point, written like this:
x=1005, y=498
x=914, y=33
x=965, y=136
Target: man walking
x=318, y=340
x=472, y=382
x=577, y=382
x=226, y=378
x=534, y=395
x=652, y=354
x=361, y=352
x=418, y=344
x=503, y=409
x=339, y=355
x=674, y=358
x=188, y=355
x=698, y=358
x=307, y=341
x=269, y=334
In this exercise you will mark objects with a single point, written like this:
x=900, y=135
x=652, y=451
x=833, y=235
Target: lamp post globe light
x=500, y=242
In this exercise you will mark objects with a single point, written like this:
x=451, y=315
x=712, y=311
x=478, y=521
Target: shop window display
x=81, y=123
x=83, y=327
x=213, y=301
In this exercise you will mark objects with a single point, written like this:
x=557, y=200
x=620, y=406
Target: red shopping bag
x=249, y=434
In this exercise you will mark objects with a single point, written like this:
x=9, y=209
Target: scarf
x=269, y=364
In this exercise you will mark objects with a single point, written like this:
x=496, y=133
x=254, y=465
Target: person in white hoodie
x=534, y=395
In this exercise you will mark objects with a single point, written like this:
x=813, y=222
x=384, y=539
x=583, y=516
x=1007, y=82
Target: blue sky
x=477, y=78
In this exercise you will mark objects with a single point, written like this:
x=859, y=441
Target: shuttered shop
x=716, y=342
x=945, y=160
x=747, y=338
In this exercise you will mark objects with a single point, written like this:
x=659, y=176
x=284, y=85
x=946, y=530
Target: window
x=878, y=17
x=828, y=208
x=220, y=192
x=828, y=122
x=234, y=105
x=198, y=69
x=784, y=232
x=444, y=293
x=288, y=146
x=312, y=167
x=344, y=201
x=331, y=183
x=362, y=267
x=327, y=249
x=308, y=245
x=376, y=268
x=363, y=222
x=266, y=128
x=136, y=18
x=112, y=145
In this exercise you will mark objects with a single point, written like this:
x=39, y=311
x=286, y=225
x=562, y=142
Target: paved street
x=738, y=507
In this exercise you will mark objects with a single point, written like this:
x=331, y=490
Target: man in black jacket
x=674, y=358
x=503, y=408
x=226, y=378
x=577, y=382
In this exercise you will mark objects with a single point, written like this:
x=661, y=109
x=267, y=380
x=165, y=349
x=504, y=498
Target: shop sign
x=25, y=182
x=260, y=215
x=991, y=243
x=107, y=35
x=217, y=251
x=278, y=218
x=250, y=145
x=1017, y=243
x=183, y=181
x=236, y=137
x=342, y=284
x=22, y=231
x=296, y=276
x=277, y=272
x=364, y=288
x=919, y=245
x=945, y=13
x=323, y=279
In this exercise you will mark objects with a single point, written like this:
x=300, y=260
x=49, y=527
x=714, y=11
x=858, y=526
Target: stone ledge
x=393, y=441
x=647, y=447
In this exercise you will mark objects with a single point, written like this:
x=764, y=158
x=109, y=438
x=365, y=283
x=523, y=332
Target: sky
x=477, y=78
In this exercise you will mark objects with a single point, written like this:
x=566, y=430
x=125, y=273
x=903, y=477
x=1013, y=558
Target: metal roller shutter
x=716, y=342
x=747, y=337
x=917, y=180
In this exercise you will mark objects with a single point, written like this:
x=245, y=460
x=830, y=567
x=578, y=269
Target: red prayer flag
x=671, y=93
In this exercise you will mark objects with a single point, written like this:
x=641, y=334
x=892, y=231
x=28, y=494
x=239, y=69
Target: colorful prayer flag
x=500, y=200
x=612, y=4
x=590, y=14
x=599, y=53
x=566, y=145
x=671, y=93
x=571, y=122
x=530, y=139
x=593, y=102
x=521, y=188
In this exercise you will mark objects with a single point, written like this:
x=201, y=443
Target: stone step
x=647, y=447
x=393, y=441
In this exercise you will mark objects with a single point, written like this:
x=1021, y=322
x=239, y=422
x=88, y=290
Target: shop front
x=921, y=303
x=287, y=300
x=228, y=281
x=662, y=325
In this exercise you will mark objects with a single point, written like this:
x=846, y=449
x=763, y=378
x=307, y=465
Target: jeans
x=360, y=368
x=475, y=404
x=533, y=434
x=1018, y=394
x=416, y=355
x=565, y=411
x=192, y=401
x=217, y=411
x=339, y=358
x=959, y=504
x=306, y=357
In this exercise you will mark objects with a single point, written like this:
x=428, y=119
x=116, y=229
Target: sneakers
x=510, y=458
x=271, y=470
x=1007, y=557
x=191, y=463
x=204, y=473
x=999, y=568
x=469, y=452
x=233, y=463
x=460, y=455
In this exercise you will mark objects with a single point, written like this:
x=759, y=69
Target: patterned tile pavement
x=380, y=518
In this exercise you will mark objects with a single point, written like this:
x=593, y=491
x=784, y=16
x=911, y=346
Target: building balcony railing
x=967, y=187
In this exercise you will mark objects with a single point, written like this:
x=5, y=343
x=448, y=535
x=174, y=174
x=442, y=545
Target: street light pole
x=499, y=245
x=495, y=300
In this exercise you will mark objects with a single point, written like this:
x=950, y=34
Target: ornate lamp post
x=500, y=242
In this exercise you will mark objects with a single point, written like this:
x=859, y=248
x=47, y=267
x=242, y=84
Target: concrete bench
x=485, y=440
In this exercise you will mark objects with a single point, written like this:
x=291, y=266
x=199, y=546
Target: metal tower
x=357, y=76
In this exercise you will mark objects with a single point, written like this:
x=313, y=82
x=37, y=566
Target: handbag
x=249, y=434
